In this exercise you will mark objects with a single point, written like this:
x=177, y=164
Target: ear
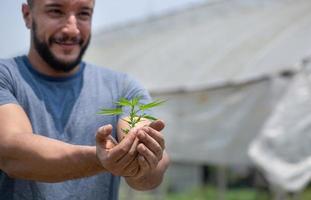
x=26, y=10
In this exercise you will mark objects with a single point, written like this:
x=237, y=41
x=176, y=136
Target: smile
x=67, y=43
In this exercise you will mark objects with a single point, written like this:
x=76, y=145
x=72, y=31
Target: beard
x=47, y=55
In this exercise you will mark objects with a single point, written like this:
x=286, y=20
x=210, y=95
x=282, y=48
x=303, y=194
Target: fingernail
x=101, y=129
x=141, y=158
x=143, y=148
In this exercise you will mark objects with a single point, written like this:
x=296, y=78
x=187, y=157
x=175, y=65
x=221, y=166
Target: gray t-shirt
x=64, y=109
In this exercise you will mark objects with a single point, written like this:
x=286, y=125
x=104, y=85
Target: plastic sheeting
x=181, y=56
x=283, y=149
x=229, y=41
x=217, y=125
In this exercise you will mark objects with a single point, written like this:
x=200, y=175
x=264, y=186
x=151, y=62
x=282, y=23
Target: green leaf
x=136, y=120
x=135, y=108
x=113, y=111
x=151, y=105
x=135, y=100
x=127, y=121
x=124, y=102
x=126, y=130
x=150, y=117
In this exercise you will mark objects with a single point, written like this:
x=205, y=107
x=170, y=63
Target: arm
x=25, y=155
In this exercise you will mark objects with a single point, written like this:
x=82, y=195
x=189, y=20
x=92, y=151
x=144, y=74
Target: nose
x=71, y=27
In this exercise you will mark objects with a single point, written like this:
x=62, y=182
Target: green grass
x=306, y=194
x=210, y=193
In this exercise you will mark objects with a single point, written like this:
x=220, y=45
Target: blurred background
x=236, y=74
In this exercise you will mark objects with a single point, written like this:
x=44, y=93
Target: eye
x=84, y=15
x=55, y=12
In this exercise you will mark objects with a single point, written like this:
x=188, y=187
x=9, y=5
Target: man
x=48, y=121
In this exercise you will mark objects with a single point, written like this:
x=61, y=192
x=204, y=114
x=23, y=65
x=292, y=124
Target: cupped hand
x=120, y=159
x=151, y=147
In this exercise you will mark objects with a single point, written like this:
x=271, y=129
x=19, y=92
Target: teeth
x=65, y=43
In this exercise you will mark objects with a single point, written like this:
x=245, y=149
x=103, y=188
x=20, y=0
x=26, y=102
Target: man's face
x=61, y=31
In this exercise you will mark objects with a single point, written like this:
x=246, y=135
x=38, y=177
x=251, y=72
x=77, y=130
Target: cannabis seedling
x=137, y=111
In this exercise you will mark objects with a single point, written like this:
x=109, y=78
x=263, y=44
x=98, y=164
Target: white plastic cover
x=217, y=125
x=229, y=41
x=283, y=149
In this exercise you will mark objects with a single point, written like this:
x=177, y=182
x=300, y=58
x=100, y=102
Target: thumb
x=157, y=125
x=103, y=133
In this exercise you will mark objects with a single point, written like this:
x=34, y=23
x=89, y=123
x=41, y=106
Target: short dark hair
x=30, y=3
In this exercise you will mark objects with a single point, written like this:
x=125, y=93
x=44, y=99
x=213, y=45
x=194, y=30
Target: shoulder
x=101, y=69
x=8, y=64
x=8, y=67
x=115, y=80
x=105, y=73
x=9, y=80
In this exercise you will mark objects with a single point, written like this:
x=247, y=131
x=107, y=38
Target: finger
x=156, y=135
x=122, y=148
x=132, y=169
x=150, y=143
x=104, y=138
x=129, y=161
x=103, y=132
x=130, y=155
x=144, y=167
x=157, y=125
x=148, y=156
x=114, y=141
x=133, y=150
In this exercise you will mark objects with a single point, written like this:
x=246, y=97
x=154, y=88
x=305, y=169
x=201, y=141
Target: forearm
x=33, y=157
x=151, y=180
